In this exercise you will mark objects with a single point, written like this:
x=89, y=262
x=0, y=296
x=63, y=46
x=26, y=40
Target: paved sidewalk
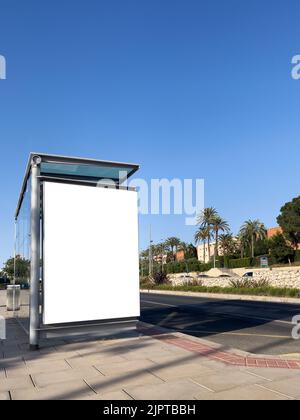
x=140, y=365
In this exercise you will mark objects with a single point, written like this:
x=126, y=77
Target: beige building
x=203, y=254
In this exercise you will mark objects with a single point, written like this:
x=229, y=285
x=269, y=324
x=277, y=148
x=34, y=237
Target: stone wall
x=280, y=278
x=276, y=278
x=181, y=280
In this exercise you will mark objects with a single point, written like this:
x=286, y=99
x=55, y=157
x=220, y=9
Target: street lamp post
x=150, y=255
x=162, y=255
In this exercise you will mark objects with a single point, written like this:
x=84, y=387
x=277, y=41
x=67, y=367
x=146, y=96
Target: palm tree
x=173, y=243
x=202, y=234
x=191, y=251
x=144, y=260
x=156, y=250
x=251, y=232
x=227, y=243
x=206, y=220
x=219, y=225
x=242, y=244
x=182, y=246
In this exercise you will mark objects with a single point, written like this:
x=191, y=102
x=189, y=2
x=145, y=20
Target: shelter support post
x=35, y=255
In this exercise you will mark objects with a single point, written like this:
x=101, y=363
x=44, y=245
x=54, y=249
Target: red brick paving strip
x=221, y=356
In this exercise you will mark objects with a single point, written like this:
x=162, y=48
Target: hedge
x=240, y=263
x=186, y=266
x=260, y=291
x=191, y=265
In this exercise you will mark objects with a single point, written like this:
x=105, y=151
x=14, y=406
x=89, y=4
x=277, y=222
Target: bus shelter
x=77, y=227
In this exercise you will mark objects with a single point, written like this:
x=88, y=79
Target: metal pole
x=35, y=255
x=150, y=254
x=15, y=265
x=162, y=255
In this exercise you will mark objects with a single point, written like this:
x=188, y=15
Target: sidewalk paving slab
x=245, y=393
x=47, y=366
x=157, y=356
x=42, y=380
x=66, y=391
x=125, y=367
x=120, y=381
x=4, y=396
x=110, y=396
x=218, y=382
x=288, y=386
x=274, y=374
x=81, y=362
x=7, y=385
x=183, y=389
x=177, y=369
x=52, y=355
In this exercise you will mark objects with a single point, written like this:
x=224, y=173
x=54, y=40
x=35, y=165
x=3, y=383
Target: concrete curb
x=220, y=296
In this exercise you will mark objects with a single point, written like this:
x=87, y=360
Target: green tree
x=182, y=246
x=251, y=232
x=280, y=250
x=191, y=252
x=201, y=236
x=173, y=243
x=157, y=250
x=206, y=222
x=219, y=225
x=262, y=247
x=227, y=244
x=289, y=221
x=242, y=244
x=22, y=268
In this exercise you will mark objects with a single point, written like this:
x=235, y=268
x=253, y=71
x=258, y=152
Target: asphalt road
x=256, y=327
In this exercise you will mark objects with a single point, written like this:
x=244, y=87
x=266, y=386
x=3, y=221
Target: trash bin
x=13, y=298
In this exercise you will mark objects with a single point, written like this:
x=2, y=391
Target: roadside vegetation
x=243, y=250
x=250, y=291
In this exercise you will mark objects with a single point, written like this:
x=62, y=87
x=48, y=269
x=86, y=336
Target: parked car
x=249, y=274
x=186, y=276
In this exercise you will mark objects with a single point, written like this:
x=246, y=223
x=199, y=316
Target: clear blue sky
x=186, y=88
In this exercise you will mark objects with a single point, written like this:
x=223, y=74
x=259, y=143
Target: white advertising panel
x=91, y=267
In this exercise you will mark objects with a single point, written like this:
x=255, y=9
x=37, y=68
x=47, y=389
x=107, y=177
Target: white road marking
x=232, y=333
x=158, y=303
x=168, y=318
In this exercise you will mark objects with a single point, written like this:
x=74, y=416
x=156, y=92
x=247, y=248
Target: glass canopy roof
x=78, y=169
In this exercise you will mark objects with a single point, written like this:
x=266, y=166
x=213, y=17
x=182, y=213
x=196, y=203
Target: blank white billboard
x=91, y=267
